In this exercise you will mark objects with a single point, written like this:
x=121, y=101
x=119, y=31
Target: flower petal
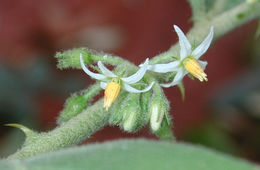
x=138, y=75
x=105, y=71
x=90, y=73
x=134, y=90
x=203, y=64
x=178, y=77
x=184, y=43
x=103, y=85
x=164, y=68
x=203, y=47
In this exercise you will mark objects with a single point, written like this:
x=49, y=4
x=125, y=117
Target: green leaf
x=132, y=155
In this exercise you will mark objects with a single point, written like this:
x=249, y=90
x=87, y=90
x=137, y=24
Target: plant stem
x=72, y=132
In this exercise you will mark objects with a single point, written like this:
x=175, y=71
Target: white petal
x=184, y=43
x=103, y=85
x=164, y=68
x=105, y=71
x=138, y=75
x=90, y=73
x=203, y=64
x=178, y=77
x=134, y=90
x=203, y=47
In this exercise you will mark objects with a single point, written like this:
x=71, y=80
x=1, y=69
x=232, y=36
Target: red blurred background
x=133, y=29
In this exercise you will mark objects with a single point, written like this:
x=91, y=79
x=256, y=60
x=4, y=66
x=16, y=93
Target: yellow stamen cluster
x=111, y=92
x=194, y=68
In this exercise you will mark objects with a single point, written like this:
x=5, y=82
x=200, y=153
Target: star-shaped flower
x=188, y=62
x=112, y=83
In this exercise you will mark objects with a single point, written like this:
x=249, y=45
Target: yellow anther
x=111, y=92
x=194, y=68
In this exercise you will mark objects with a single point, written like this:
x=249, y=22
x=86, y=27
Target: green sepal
x=144, y=115
x=77, y=103
x=165, y=132
x=116, y=113
x=23, y=128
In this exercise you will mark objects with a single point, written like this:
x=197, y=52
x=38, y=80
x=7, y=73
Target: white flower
x=188, y=62
x=112, y=83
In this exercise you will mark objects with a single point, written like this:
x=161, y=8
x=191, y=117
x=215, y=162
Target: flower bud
x=144, y=104
x=159, y=107
x=77, y=103
x=131, y=111
x=70, y=58
x=73, y=106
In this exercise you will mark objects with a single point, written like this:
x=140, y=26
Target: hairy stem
x=72, y=132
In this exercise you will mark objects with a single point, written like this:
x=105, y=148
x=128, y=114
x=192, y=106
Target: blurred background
x=223, y=113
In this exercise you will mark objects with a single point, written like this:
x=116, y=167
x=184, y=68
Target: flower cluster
x=112, y=83
x=187, y=62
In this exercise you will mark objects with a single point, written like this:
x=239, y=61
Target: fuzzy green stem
x=69, y=133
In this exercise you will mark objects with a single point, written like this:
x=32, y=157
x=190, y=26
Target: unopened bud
x=157, y=115
x=159, y=108
x=73, y=106
x=130, y=122
x=144, y=117
x=131, y=112
x=70, y=58
x=77, y=103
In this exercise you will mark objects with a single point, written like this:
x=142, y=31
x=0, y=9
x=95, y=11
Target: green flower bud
x=70, y=58
x=77, y=103
x=131, y=111
x=144, y=103
x=159, y=107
